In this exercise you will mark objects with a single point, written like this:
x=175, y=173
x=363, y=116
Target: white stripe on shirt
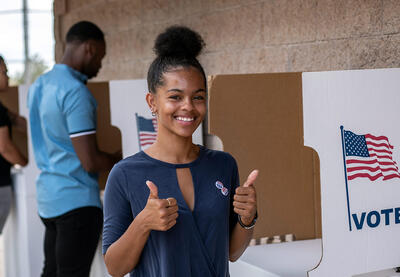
x=82, y=134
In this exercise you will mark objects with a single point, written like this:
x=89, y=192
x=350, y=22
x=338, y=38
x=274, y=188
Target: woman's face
x=180, y=103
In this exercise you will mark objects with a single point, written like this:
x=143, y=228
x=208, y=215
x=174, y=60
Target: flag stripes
x=147, y=131
x=369, y=156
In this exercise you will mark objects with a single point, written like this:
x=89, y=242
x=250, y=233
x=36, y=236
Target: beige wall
x=244, y=36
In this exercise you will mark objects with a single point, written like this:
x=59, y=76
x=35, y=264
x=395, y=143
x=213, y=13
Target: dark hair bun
x=178, y=41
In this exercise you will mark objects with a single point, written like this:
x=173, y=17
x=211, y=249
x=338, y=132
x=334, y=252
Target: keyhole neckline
x=185, y=165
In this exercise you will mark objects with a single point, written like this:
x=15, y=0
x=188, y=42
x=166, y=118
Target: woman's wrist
x=248, y=222
x=141, y=222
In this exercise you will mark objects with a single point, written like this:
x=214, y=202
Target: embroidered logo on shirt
x=221, y=187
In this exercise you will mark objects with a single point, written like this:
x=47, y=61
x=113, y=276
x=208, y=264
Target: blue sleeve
x=235, y=182
x=79, y=107
x=117, y=209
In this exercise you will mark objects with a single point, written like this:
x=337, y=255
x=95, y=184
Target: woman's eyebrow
x=181, y=91
x=174, y=90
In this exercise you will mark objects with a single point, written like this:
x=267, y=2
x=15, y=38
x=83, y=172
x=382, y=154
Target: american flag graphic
x=369, y=156
x=147, y=131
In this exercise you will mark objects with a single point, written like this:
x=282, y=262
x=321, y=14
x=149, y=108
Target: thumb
x=251, y=179
x=153, y=190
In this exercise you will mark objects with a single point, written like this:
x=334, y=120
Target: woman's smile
x=185, y=120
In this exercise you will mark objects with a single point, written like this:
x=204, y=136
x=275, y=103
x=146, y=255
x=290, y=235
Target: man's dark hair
x=83, y=31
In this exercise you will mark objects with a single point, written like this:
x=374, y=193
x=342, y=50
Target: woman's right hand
x=160, y=214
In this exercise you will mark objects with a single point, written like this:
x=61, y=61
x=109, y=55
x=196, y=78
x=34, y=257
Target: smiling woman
x=176, y=208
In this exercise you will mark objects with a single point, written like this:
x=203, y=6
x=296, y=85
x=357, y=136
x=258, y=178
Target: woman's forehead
x=183, y=76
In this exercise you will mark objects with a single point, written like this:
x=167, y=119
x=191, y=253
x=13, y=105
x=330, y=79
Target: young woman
x=177, y=209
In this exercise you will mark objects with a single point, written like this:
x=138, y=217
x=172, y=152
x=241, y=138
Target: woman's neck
x=173, y=149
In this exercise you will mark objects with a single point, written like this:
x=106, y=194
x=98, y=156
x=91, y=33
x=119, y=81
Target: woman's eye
x=199, y=97
x=175, y=97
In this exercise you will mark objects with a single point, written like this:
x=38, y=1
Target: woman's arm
x=17, y=121
x=8, y=149
x=123, y=255
x=245, y=205
x=239, y=241
x=159, y=214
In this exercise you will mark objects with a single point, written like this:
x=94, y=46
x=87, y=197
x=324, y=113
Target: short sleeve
x=235, y=182
x=117, y=209
x=79, y=107
x=4, y=118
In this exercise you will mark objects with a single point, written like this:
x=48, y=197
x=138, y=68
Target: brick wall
x=243, y=36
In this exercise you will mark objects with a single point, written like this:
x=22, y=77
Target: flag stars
x=355, y=145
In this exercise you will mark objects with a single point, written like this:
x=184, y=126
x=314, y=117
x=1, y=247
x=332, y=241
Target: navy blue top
x=198, y=244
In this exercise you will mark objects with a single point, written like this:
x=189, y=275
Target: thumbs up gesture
x=245, y=199
x=161, y=214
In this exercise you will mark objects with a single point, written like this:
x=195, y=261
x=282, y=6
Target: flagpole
x=345, y=175
x=138, y=132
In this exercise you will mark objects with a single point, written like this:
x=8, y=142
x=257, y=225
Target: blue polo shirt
x=198, y=244
x=60, y=107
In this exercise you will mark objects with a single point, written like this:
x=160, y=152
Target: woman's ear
x=150, y=99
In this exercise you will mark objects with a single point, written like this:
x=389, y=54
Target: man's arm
x=92, y=159
x=8, y=149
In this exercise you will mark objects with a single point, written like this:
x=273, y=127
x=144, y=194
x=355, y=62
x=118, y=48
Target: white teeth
x=185, y=118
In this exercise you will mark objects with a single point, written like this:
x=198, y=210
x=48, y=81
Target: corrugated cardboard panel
x=108, y=136
x=258, y=117
x=9, y=99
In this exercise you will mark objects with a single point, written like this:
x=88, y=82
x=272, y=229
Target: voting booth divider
x=287, y=125
x=350, y=119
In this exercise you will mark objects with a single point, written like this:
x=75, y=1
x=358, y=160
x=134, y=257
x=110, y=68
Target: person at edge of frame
x=9, y=153
x=62, y=115
x=177, y=209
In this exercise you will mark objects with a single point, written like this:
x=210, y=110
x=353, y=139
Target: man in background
x=9, y=153
x=62, y=115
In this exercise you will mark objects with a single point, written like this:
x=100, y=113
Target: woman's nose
x=188, y=104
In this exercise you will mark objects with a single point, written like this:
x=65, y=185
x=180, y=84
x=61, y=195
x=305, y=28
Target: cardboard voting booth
x=342, y=168
x=258, y=118
x=350, y=120
x=259, y=121
x=108, y=136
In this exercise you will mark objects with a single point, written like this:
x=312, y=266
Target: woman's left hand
x=245, y=199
